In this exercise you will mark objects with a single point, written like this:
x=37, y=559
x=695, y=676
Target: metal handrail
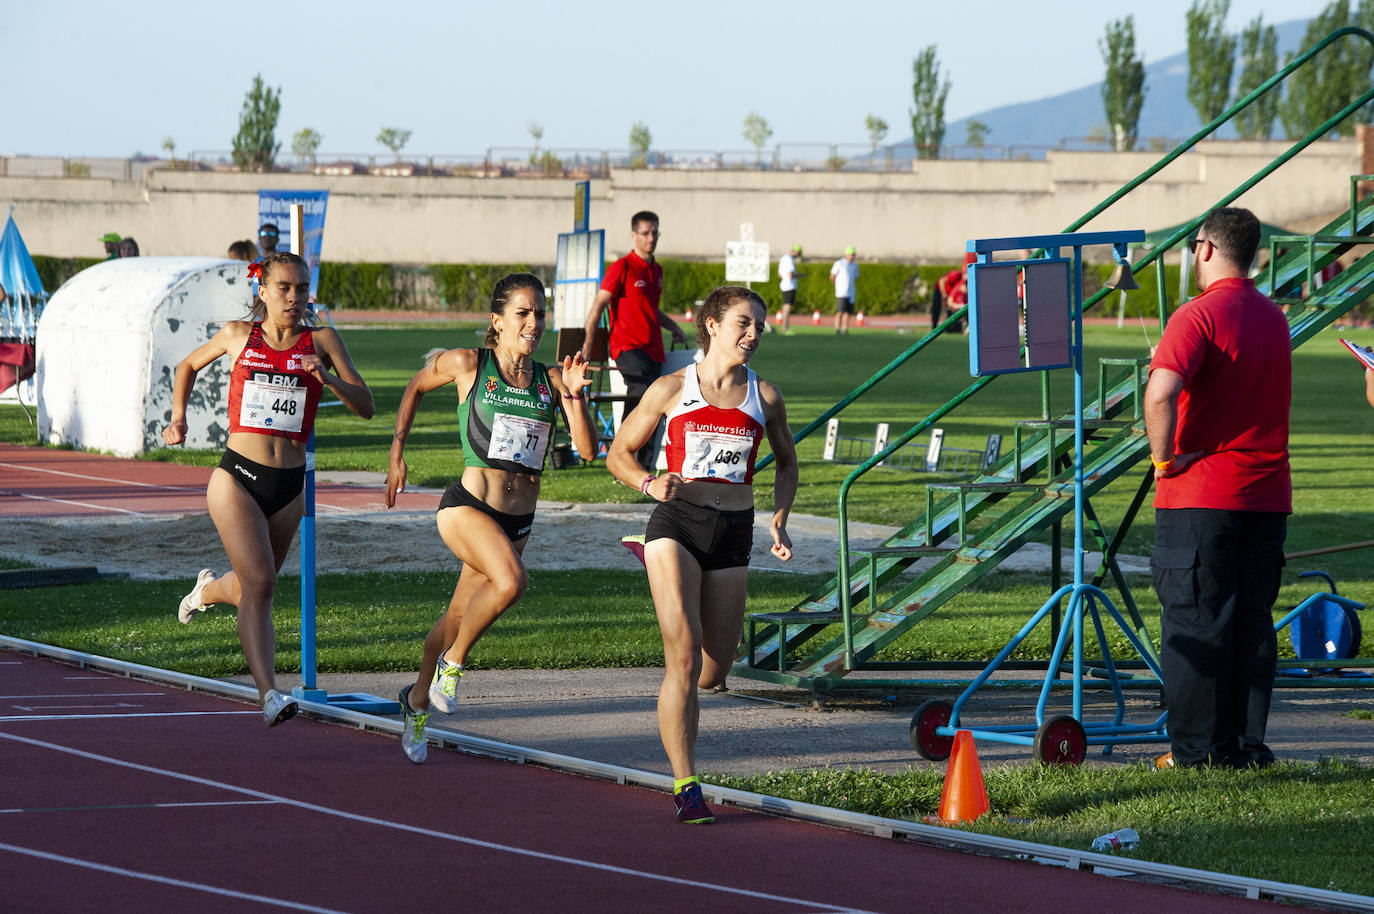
x=843, y=582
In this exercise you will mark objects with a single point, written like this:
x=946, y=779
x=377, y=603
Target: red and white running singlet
x=712, y=444
x=269, y=392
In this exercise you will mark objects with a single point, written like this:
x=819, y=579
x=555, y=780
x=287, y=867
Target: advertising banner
x=274, y=206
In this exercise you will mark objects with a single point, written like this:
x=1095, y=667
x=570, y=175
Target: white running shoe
x=278, y=707
x=443, y=691
x=191, y=604
x=413, y=729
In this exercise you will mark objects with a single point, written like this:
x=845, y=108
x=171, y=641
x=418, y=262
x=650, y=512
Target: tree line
x=1223, y=69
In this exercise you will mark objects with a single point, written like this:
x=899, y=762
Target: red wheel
x=1060, y=741
x=927, y=743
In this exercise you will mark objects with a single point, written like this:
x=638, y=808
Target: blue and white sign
x=275, y=206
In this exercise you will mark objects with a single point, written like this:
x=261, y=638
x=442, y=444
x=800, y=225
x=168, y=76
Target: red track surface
x=45, y=482
x=122, y=795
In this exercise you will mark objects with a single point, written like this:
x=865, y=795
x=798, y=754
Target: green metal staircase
x=969, y=528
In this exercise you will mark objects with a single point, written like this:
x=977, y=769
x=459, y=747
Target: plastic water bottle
x=1123, y=839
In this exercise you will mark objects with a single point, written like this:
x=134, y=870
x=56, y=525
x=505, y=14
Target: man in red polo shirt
x=1216, y=412
x=632, y=287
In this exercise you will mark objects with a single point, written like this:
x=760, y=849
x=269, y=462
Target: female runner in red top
x=698, y=539
x=256, y=496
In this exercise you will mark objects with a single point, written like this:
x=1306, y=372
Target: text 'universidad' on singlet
x=269, y=392
x=711, y=443
x=504, y=427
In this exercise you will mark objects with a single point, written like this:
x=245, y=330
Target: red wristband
x=644, y=486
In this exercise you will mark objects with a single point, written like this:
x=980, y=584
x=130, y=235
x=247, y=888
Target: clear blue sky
x=104, y=78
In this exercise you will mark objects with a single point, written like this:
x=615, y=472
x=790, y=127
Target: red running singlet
x=712, y=444
x=269, y=392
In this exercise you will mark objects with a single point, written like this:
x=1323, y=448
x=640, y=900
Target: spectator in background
x=128, y=247
x=951, y=293
x=111, y=241
x=845, y=275
x=787, y=282
x=243, y=250
x=632, y=289
x=267, y=238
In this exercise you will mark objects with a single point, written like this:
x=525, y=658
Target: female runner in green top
x=506, y=415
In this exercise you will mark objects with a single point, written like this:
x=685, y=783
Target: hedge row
x=54, y=271
x=884, y=288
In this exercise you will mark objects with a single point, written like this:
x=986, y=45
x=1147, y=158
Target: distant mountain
x=1166, y=112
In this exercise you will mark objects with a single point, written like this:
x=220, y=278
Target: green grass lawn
x=1294, y=823
x=1331, y=430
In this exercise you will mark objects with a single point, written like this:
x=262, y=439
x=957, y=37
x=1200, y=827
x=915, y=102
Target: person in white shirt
x=845, y=275
x=787, y=282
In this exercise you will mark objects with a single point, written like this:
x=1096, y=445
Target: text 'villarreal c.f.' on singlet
x=504, y=427
x=269, y=392
x=711, y=443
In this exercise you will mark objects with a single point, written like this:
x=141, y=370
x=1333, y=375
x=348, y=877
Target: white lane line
x=26, y=717
x=80, y=504
x=427, y=832
x=118, y=704
x=122, y=482
x=142, y=806
x=127, y=482
x=179, y=883
x=81, y=695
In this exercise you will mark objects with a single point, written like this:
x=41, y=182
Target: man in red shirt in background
x=1216, y=413
x=632, y=287
x=951, y=293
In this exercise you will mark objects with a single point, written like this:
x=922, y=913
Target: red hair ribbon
x=255, y=269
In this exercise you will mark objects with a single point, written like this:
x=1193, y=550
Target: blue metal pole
x=1078, y=482
x=308, y=570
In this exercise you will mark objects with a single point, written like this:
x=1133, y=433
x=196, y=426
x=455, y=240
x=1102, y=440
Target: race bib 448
x=272, y=407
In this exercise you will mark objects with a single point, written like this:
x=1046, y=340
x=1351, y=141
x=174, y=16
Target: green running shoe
x=443, y=691
x=413, y=729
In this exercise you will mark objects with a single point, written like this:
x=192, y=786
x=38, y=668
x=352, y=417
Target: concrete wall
x=923, y=215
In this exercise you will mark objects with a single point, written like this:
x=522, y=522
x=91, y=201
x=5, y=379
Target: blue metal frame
x=1084, y=599
x=975, y=328
x=357, y=701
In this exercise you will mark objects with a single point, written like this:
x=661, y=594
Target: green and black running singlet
x=504, y=427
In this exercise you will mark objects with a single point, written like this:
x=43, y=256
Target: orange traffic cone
x=859, y=318
x=688, y=315
x=816, y=318
x=964, y=798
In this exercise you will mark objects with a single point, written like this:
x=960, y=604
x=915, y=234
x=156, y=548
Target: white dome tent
x=109, y=342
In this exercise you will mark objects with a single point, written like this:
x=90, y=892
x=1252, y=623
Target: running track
x=46, y=482
x=118, y=794
x=124, y=795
